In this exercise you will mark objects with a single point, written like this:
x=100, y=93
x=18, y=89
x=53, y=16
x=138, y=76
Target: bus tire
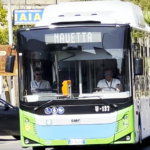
x=38, y=148
x=59, y=147
x=16, y=137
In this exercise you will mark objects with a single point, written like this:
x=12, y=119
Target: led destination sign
x=75, y=37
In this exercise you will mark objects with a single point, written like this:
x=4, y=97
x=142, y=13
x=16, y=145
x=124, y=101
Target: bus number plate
x=76, y=141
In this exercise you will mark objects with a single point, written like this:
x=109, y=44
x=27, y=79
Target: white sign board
x=75, y=37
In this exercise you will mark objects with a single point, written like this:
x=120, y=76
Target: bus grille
x=118, y=127
x=121, y=125
x=33, y=129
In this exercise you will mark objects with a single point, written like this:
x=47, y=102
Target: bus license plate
x=76, y=141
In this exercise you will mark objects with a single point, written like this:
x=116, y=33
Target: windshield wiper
x=36, y=108
x=106, y=102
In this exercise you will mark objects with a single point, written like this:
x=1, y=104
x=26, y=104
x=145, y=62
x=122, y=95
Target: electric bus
x=73, y=44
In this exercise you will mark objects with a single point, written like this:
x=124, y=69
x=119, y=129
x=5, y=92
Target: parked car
x=9, y=119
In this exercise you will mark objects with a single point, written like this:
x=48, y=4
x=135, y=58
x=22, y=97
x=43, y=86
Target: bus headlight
x=125, y=124
x=27, y=127
x=26, y=141
x=26, y=121
x=128, y=137
x=126, y=117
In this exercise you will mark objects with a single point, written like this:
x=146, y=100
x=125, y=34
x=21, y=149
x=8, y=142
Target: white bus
x=76, y=43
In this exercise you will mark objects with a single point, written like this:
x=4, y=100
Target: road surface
x=9, y=143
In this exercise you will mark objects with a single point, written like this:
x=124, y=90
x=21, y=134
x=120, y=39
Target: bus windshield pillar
x=80, y=78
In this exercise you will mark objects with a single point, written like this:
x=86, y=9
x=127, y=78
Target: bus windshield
x=95, y=59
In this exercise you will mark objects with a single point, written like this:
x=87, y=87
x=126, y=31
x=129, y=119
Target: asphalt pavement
x=10, y=143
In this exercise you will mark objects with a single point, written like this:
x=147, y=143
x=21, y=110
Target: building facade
x=32, y=4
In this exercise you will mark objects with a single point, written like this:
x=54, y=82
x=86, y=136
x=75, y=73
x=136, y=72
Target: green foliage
x=4, y=39
x=3, y=25
x=15, y=28
x=15, y=34
x=3, y=14
x=147, y=16
x=4, y=36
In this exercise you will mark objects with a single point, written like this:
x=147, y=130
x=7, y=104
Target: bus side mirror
x=136, y=46
x=138, y=66
x=10, y=60
x=6, y=107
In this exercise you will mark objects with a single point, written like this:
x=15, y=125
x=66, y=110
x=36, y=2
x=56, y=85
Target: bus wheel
x=38, y=148
x=16, y=137
x=140, y=134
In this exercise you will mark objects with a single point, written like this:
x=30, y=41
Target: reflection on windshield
x=90, y=55
x=100, y=74
x=96, y=61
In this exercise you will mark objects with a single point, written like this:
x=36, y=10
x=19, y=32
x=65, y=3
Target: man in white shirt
x=109, y=83
x=38, y=83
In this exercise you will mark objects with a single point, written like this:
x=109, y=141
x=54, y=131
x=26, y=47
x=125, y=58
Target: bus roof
x=107, y=12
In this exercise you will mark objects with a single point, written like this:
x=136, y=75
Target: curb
x=6, y=137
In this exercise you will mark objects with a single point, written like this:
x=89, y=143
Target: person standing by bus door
x=39, y=83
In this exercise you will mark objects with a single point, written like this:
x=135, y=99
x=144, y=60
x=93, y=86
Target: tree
x=4, y=39
x=4, y=36
x=3, y=25
x=3, y=14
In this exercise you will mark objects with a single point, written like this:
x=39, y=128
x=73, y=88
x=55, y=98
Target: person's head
x=108, y=74
x=38, y=74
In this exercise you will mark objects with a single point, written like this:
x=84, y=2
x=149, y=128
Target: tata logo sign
x=30, y=16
